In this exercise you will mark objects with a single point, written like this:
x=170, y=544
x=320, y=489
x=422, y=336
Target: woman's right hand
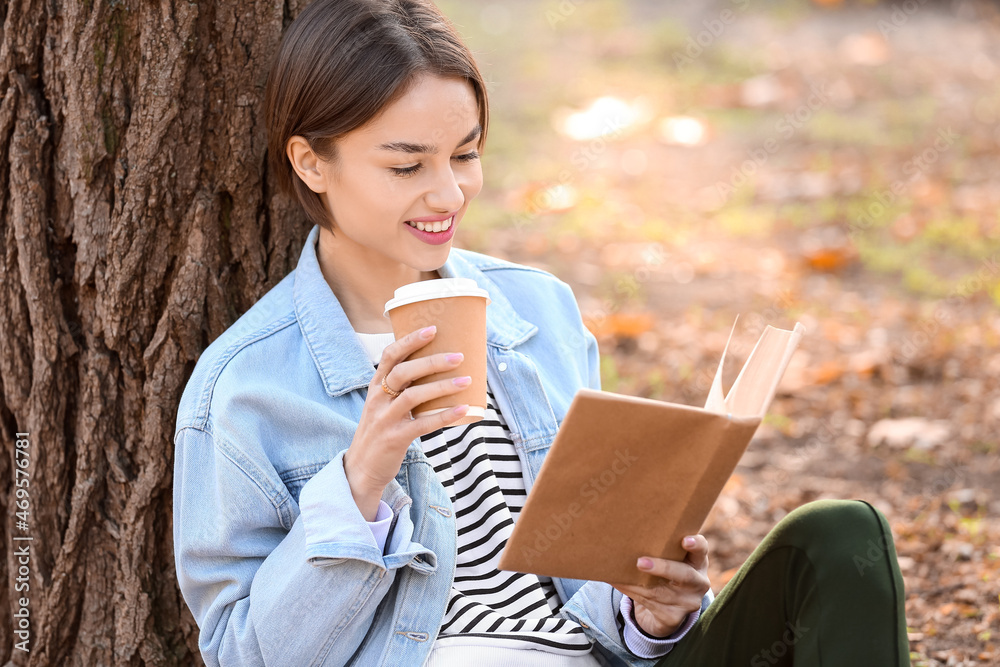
x=386, y=429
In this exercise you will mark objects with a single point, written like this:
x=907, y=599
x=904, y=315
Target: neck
x=363, y=280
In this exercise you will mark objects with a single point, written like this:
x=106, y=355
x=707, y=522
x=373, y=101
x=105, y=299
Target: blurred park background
x=836, y=163
x=678, y=163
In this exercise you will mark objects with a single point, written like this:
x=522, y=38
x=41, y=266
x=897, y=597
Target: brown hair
x=341, y=63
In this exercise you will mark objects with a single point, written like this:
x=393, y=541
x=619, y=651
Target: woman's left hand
x=678, y=589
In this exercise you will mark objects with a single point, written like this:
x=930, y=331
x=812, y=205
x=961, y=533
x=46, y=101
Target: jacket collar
x=335, y=348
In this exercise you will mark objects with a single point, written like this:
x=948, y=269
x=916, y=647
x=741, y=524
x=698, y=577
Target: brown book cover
x=629, y=477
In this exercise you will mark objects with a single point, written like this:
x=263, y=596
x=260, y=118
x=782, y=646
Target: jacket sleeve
x=269, y=585
x=646, y=646
x=597, y=606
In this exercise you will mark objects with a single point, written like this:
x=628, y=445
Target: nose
x=447, y=193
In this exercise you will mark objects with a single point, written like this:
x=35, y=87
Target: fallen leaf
x=829, y=259
x=620, y=325
x=827, y=372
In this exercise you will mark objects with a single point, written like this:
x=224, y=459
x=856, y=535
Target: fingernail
x=644, y=563
x=460, y=410
x=463, y=381
x=454, y=357
x=428, y=331
x=689, y=542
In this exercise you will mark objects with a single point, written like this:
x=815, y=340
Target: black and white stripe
x=480, y=469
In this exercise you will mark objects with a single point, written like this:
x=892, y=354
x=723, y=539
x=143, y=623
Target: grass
x=582, y=50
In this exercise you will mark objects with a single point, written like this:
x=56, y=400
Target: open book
x=629, y=477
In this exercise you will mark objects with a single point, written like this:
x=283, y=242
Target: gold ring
x=385, y=387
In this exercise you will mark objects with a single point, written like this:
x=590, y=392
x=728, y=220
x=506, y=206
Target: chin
x=430, y=261
x=435, y=265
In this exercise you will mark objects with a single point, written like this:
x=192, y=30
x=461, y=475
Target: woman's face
x=417, y=160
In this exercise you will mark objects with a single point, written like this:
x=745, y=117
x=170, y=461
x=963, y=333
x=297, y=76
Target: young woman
x=317, y=523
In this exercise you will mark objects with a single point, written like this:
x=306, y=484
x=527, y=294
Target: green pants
x=823, y=588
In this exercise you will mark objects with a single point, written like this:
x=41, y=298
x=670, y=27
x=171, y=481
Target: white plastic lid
x=435, y=289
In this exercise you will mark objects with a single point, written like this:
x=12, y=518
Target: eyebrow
x=406, y=147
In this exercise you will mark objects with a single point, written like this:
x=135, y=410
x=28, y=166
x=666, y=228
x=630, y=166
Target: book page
x=758, y=380
x=716, y=400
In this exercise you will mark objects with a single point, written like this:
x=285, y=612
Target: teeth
x=439, y=226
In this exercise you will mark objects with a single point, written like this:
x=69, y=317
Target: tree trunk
x=138, y=222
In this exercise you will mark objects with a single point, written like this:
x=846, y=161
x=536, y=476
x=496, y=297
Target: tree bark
x=138, y=222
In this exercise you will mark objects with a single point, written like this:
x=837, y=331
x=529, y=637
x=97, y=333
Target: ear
x=306, y=163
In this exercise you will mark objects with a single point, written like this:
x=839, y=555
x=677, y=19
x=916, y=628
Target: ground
x=832, y=163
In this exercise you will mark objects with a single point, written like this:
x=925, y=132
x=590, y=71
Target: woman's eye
x=405, y=171
x=409, y=171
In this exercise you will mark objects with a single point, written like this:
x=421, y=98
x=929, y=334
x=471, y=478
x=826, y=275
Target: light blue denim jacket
x=262, y=426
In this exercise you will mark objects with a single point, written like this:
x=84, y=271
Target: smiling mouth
x=439, y=226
